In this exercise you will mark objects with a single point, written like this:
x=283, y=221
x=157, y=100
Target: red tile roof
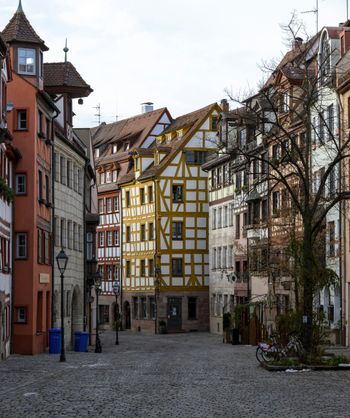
x=58, y=75
x=134, y=130
x=20, y=30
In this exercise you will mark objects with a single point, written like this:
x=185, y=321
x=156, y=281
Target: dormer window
x=126, y=146
x=26, y=61
x=114, y=149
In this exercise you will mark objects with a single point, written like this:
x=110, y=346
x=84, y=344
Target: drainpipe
x=342, y=208
x=156, y=291
x=121, y=256
x=85, y=245
x=13, y=249
x=53, y=229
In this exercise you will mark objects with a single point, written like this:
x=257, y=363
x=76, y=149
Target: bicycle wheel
x=265, y=356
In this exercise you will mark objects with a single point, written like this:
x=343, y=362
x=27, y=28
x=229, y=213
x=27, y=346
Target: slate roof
x=20, y=30
x=64, y=74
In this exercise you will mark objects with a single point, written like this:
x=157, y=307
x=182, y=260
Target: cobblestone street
x=184, y=375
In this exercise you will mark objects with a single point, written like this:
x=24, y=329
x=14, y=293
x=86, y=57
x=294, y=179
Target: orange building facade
x=31, y=125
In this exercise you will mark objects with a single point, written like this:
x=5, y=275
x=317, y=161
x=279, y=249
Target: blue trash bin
x=77, y=338
x=84, y=339
x=81, y=341
x=55, y=340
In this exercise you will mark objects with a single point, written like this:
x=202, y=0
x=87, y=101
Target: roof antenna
x=98, y=114
x=315, y=11
x=65, y=50
x=19, y=8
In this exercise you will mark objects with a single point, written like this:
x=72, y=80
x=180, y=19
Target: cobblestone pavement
x=183, y=375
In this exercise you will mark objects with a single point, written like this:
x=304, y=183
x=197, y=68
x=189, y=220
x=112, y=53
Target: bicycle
x=268, y=352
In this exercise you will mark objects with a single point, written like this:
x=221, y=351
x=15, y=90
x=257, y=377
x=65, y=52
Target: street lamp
x=97, y=284
x=62, y=260
x=157, y=270
x=116, y=291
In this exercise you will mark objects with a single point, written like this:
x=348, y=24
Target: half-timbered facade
x=165, y=227
x=113, y=144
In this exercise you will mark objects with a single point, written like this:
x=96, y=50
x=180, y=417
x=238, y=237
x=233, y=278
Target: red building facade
x=31, y=125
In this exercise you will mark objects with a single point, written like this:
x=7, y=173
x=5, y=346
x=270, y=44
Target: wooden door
x=174, y=322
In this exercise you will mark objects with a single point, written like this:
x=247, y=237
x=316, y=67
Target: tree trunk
x=307, y=280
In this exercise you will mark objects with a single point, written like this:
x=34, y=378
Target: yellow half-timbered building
x=165, y=227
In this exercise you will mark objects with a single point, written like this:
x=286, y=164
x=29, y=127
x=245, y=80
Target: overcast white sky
x=176, y=53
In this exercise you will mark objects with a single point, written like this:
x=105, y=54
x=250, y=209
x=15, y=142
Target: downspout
x=53, y=228
x=121, y=256
x=156, y=267
x=342, y=207
x=85, y=245
x=13, y=249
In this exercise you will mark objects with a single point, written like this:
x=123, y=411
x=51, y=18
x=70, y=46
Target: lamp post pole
x=116, y=291
x=98, y=278
x=63, y=353
x=62, y=260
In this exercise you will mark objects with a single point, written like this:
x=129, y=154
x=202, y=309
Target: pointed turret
x=20, y=30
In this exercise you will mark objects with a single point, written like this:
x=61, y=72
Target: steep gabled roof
x=3, y=47
x=137, y=128
x=292, y=59
x=20, y=30
x=192, y=121
x=62, y=76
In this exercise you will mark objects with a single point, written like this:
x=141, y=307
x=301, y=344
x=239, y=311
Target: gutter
x=53, y=233
x=121, y=256
x=85, y=245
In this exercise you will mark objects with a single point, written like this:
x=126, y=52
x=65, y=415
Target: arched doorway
x=76, y=313
x=127, y=315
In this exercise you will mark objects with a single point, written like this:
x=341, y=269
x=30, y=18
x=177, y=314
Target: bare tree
x=295, y=121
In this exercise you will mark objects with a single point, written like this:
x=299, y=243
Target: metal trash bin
x=54, y=340
x=235, y=336
x=81, y=339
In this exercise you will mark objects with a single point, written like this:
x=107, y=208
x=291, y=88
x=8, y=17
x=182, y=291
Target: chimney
x=146, y=107
x=225, y=105
x=297, y=42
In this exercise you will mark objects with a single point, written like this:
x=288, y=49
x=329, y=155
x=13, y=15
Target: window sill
x=21, y=130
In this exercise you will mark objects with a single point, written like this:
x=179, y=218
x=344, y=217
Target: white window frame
x=26, y=56
x=20, y=235
x=24, y=177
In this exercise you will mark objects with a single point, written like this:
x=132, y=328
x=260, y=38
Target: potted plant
x=162, y=327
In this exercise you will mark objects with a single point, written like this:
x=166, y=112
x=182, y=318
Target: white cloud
x=178, y=53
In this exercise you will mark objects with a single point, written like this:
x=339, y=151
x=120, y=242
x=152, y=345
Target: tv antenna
x=98, y=113
x=315, y=12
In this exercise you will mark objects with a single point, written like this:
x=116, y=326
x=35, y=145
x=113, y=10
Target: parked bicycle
x=274, y=351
